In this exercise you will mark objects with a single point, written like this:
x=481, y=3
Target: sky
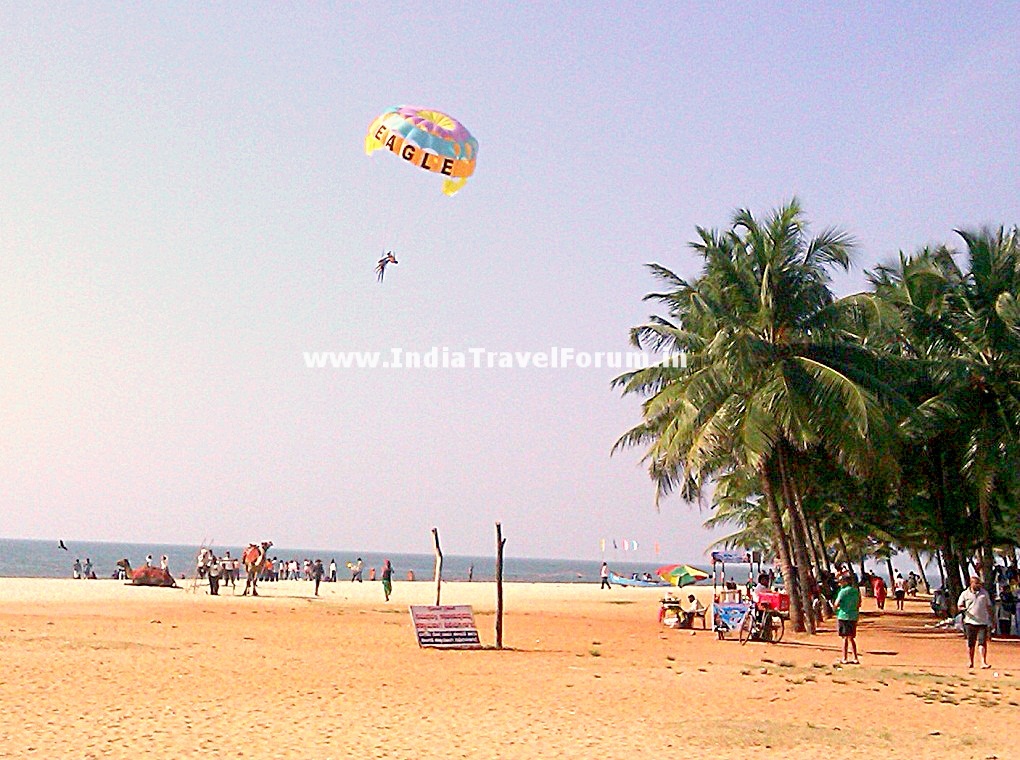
x=186, y=210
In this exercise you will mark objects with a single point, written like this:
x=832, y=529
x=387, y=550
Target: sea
x=21, y=558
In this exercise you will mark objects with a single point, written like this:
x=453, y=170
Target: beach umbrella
x=681, y=575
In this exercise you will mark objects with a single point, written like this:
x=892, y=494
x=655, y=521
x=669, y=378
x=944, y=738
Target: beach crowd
x=983, y=613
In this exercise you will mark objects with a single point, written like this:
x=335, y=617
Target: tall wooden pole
x=439, y=564
x=500, y=543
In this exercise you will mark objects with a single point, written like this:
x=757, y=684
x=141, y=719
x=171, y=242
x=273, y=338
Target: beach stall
x=728, y=603
x=722, y=588
x=671, y=611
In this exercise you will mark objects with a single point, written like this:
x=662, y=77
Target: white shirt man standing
x=976, y=606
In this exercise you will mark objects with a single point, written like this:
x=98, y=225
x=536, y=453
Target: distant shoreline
x=32, y=558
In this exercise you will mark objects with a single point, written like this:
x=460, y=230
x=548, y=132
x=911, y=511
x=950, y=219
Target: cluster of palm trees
x=828, y=429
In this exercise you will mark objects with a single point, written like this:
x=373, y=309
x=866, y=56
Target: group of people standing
x=81, y=571
x=226, y=571
x=901, y=586
x=357, y=569
x=977, y=611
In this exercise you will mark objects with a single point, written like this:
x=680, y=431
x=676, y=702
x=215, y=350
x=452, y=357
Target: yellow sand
x=98, y=669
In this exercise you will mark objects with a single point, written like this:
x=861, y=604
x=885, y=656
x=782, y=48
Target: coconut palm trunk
x=920, y=569
x=822, y=548
x=844, y=549
x=779, y=532
x=987, y=557
x=799, y=542
x=953, y=585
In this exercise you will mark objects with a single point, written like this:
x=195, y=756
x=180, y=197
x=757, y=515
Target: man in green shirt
x=848, y=607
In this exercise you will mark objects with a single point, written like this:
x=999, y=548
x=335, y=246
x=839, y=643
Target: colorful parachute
x=427, y=138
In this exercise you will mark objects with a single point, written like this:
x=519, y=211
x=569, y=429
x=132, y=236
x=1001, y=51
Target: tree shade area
x=832, y=429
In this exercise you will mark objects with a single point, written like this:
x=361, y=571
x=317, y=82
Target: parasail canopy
x=428, y=139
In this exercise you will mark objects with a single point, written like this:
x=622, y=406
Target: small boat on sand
x=619, y=580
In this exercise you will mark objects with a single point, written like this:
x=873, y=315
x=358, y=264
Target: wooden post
x=500, y=543
x=439, y=564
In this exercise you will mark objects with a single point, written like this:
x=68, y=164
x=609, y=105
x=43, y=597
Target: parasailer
x=428, y=139
x=380, y=267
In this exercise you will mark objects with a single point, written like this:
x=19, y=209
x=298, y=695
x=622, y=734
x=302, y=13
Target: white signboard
x=446, y=626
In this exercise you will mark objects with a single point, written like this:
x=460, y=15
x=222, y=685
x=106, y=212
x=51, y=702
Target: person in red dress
x=879, y=587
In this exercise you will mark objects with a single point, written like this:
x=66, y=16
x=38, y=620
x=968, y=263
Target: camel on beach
x=147, y=576
x=254, y=559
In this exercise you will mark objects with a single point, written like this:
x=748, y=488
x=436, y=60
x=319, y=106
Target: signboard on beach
x=732, y=557
x=729, y=615
x=449, y=626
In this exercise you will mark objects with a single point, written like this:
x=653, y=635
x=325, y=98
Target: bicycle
x=762, y=623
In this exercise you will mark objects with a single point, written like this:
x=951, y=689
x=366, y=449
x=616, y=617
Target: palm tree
x=769, y=374
x=989, y=353
x=961, y=327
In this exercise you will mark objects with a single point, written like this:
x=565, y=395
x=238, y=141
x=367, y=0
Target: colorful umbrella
x=681, y=575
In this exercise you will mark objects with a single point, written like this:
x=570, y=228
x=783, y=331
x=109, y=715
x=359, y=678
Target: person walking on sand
x=76, y=569
x=900, y=590
x=86, y=569
x=848, y=610
x=356, y=571
x=976, y=606
x=332, y=570
x=228, y=570
x=880, y=589
x=214, y=571
x=317, y=572
x=604, y=574
x=387, y=579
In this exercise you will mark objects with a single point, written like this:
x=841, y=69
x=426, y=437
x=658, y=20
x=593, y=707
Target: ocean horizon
x=33, y=558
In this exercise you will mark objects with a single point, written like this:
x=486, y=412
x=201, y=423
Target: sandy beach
x=99, y=669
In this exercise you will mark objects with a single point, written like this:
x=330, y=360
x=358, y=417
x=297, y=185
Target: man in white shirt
x=976, y=606
x=604, y=575
x=696, y=610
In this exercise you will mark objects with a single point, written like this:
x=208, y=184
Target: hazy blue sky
x=186, y=208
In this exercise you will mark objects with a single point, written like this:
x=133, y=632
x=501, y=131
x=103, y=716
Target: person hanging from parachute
x=428, y=139
x=380, y=267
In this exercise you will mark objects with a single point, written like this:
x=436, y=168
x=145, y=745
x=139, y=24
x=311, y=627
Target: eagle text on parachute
x=395, y=144
x=428, y=139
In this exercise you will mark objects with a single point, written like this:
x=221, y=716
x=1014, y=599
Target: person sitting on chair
x=763, y=585
x=757, y=606
x=697, y=610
